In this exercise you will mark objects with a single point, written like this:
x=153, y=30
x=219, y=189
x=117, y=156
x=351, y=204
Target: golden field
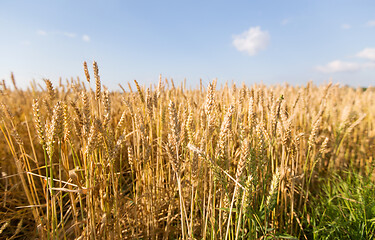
x=167, y=162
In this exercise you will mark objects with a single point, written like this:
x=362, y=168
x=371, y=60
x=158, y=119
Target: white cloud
x=251, y=41
x=369, y=65
x=346, y=26
x=86, y=38
x=371, y=23
x=41, y=33
x=339, y=66
x=285, y=21
x=367, y=53
x=68, y=34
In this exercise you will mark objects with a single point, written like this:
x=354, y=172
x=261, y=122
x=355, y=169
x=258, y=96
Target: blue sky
x=242, y=41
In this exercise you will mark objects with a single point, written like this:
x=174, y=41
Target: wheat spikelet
x=242, y=97
x=271, y=97
x=261, y=141
x=224, y=131
x=160, y=87
x=6, y=111
x=326, y=91
x=296, y=101
x=234, y=89
x=286, y=126
x=55, y=128
x=189, y=125
x=4, y=85
x=273, y=117
x=87, y=74
x=297, y=140
x=92, y=141
x=38, y=122
x=13, y=81
x=57, y=120
x=275, y=114
x=149, y=103
x=129, y=106
x=120, y=123
x=323, y=148
x=314, y=131
x=75, y=177
x=345, y=118
x=272, y=193
x=247, y=193
x=202, y=119
x=61, y=85
x=67, y=123
x=172, y=82
x=210, y=102
x=155, y=100
x=214, y=82
x=48, y=107
x=174, y=124
x=260, y=97
x=4, y=226
x=97, y=82
x=261, y=126
x=130, y=87
x=80, y=122
x=50, y=90
x=118, y=144
x=354, y=124
x=130, y=156
x=122, y=88
x=173, y=137
x=252, y=113
x=19, y=227
x=245, y=152
x=17, y=137
x=215, y=168
x=209, y=108
x=139, y=91
x=107, y=109
x=287, y=132
x=106, y=102
x=140, y=126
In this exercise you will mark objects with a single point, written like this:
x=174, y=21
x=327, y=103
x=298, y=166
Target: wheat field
x=166, y=162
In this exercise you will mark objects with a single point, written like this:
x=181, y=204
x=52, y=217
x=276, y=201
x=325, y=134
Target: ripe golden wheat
x=168, y=162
